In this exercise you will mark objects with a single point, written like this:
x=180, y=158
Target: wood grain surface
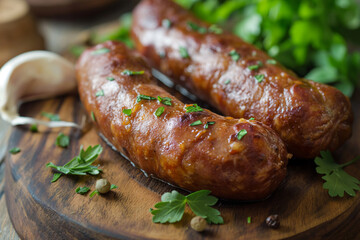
x=43, y=210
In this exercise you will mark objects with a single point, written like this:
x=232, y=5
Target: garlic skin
x=31, y=76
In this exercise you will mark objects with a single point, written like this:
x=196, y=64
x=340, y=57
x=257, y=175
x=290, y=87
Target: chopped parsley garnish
x=193, y=26
x=164, y=100
x=259, y=78
x=253, y=67
x=131, y=73
x=166, y=23
x=82, y=190
x=62, y=140
x=248, y=219
x=251, y=119
x=34, y=128
x=127, y=112
x=234, y=55
x=100, y=51
x=159, y=111
x=198, y=122
x=50, y=116
x=99, y=93
x=337, y=181
x=227, y=82
x=172, y=206
x=183, y=52
x=271, y=61
x=193, y=108
x=110, y=78
x=209, y=123
x=241, y=134
x=15, y=150
x=93, y=193
x=113, y=186
x=79, y=165
x=144, y=97
x=215, y=29
x=93, y=116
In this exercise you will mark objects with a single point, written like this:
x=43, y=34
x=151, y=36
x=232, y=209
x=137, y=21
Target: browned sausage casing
x=308, y=116
x=192, y=157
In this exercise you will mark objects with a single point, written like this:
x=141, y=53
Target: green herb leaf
x=131, y=73
x=62, y=140
x=184, y=52
x=215, y=29
x=193, y=108
x=93, y=193
x=34, y=128
x=99, y=93
x=165, y=100
x=127, y=112
x=248, y=220
x=144, y=97
x=198, y=122
x=81, y=164
x=50, y=116
x=93, y=116
x=337, y=181
x=259, y=78
x=110, y=78
x=166, y=23
x=271, y=61
x=208, y=123
x=172, y=206
x=227, y=82
x=113, y=186
x=193, y=26
x=100, y=51
x=251, y=119
x=15, y=150
x=159, y=111
x=234, y=55
x=82, y=190
x=56, y=177
x=241, y=134
x=253, y=67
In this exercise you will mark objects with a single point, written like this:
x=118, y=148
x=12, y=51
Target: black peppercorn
x=273, y=221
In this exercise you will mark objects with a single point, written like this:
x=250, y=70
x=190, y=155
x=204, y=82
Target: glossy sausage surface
x=308, y=116
x=166, y=146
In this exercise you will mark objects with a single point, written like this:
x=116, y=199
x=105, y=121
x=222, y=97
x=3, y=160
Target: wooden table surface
x=58, y=35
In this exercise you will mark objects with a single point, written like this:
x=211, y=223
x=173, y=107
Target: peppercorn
x=198, y=223
x=273, y=221
x=102, y=185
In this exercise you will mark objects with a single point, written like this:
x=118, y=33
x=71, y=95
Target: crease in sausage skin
x=308, y=116
x=167, y=146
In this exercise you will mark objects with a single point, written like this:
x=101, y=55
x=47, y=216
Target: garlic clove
x=31, y=76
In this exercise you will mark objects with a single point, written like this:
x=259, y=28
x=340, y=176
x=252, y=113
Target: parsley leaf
x=144, y=97
x=93, y=193
x=99, y=93
x=208, y=123
x=234, y=55
x=131, y=73
x=241, y=134
x=184, y=52
x=172, y=206
x=93, y=116
x=337, y=181
x=79, y=165
x=193, y=26
x=15, y=150
x=259, y=78
x=62, y=140
x=82, y=190
x=198, y=122
x=253, y=67
x=34, y=128
x=100, y=51
x=227, y=82
x=193, y=108
x=164, y=100
x=159, y=111
x=127, y=112
x=113, y=186
x=50, y=116
x=110, y=79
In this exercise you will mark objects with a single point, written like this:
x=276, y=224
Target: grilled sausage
x=240, y=80
x=167, y=146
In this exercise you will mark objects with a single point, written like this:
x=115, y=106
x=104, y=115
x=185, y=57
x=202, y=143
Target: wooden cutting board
x=43, y=210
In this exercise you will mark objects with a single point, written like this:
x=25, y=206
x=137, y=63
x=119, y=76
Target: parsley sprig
x=337, y=181
x=79, y=165
x=193, y=108
x=172, y=206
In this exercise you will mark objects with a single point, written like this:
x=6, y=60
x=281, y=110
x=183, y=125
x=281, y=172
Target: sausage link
x=167, y=146
x=240, y=80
